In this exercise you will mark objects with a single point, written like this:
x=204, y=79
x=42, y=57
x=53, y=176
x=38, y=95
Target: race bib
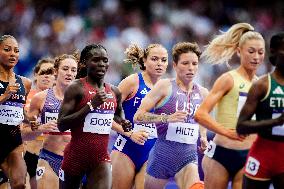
x=183, y=132
x=39, y=172
x=277, y=130
x=50, y=116
x=148, y=127
x=210, y=150
x=120, y=143
x=241, y=103
x=98, y=123
x=252, y=166
x=11, y=113
x=61, y=174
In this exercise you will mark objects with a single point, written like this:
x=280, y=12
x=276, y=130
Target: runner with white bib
x=89, y=107
x=43, y=114
x=131, y=152
x=226, y=155
x=43, y=78
x=174, y=102
x=13, y=91
x=265, y=163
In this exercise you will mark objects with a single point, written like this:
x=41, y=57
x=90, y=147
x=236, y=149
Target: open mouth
x=159, y=70
x=68, y=79
x=12, y=60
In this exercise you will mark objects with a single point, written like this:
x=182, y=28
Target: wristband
x=90, y=106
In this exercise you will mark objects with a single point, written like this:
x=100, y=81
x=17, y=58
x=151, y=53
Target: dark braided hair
x=4, y=37
x=85, y=54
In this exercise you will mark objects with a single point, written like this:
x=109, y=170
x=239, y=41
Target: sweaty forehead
x=98, y=52
x=158, y=51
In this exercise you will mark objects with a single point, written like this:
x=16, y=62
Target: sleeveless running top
x=228, y=109
x=271, y=106
x=11, y=111
x=182, y=132
x=98, y=122
x=130, y=108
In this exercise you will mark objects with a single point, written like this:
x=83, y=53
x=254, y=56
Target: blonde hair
x=223, y=47
x=135, y=54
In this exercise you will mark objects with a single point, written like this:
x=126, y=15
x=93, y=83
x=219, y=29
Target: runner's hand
x=126, y=125
x=139, y=137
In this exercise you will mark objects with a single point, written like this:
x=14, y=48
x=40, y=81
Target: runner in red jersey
x=88, y=109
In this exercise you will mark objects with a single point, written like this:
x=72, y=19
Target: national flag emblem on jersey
x=278, y=90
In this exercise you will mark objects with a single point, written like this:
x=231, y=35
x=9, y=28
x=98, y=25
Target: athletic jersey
x=89, y=142
x=271, y=106
x=50, y=108
x=228, y=109
x=182, y=132
x=176, y=146
x=130, y=107
x=11, y=116
x=138, y=154
x=97, y=123
x=12, y=109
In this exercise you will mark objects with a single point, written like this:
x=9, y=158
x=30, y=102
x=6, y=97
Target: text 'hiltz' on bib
x=183, y=132
x=99, y=123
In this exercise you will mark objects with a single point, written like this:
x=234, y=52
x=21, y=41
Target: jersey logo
x=179, y=93
x=278, y=90
x=242, y=85
x=1, y=86
x=91, y=92
x=144, y=91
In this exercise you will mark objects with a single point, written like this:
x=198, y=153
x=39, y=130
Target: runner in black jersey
x=13, y=90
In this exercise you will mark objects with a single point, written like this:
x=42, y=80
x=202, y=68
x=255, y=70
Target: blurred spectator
x=49, y=28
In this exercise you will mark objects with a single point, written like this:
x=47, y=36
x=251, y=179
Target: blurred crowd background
x=51, y=27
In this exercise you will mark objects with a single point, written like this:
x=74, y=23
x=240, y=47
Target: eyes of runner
x=48, y=71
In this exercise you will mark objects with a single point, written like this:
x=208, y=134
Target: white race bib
x=183, y=132
x=210, y=150
x=120, y=142
x=61, y=174
x=277, y=130
x=148, y=127
x=98, y=123
x=252, y=166
x=11, y=113
x=241, y=103
x=39, y=172
x=50, y=116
